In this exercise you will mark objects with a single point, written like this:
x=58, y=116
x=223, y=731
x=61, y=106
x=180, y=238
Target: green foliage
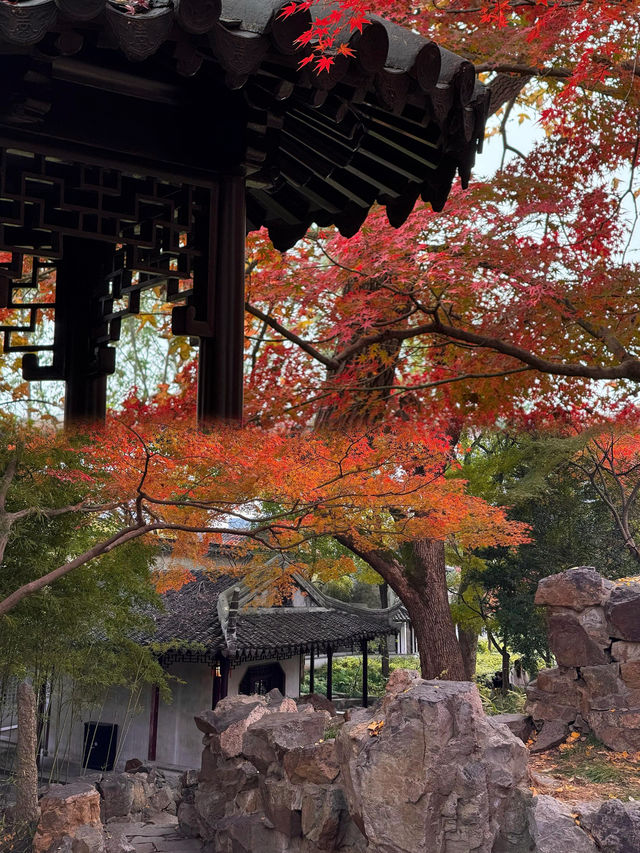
x=487, y=662
x=570, y=526
x=495, y=702
x=347, y=675
x=86, y=623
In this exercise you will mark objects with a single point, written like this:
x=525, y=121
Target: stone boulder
x=553, y=733
x=615, y=826
x=123, y=794
x=570, y=642
x=250, y=834
x=318, y=702
x=317, y=763
x=325, y=816
x=399, y=681
x=267, y=741
x=625, y=652
x=554, y=829
x=617, y=728
x=576, y=588
x=226, y=724
x=64, y=809
x=437, y=776
x=623, y=611
x=521, y=725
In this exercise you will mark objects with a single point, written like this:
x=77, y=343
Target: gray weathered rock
x=617, y=728
x=553, y=733
x=317, y=763
x=602, y=680
x=576, y=588
x=268, y=740
x=552, y=706
x=250, y=834
x=122, y=794
x=282, y=805
x=570, y=642
x=325, y=816
x=188, y=820
x=615, y=826
x=514, y=835
x=318, y=702
x=438, y=777
x=560, y=680
x=521, y=725
x=625, y=652
x=623, y=611
x=88, y=839
x=232, y=716
x=116, y=842
x=554, y=830
x=630, y=674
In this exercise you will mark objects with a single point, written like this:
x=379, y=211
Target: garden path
x=159, y=834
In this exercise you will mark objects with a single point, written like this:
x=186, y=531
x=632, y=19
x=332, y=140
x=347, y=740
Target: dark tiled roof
x=306, y=629
x=191, y=613
x=191, y=616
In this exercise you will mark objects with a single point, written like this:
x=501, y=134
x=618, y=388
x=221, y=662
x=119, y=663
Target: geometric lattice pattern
x=42, y=198
x=149, y=221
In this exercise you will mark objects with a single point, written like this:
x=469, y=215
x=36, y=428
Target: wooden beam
x=311, y=672
x=153, y=723
x=329, y=673
x=365, y=675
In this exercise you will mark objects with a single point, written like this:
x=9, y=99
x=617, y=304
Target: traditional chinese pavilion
x=141, y=140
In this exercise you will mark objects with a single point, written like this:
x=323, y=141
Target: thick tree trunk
x=468, y=641
x=384, y=645
x=27, y=810
x=419, y=579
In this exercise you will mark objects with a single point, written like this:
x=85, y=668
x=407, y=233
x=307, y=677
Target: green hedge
x=347, y=675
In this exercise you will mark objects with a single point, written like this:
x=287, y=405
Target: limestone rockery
x=594, y=634
x=427, y=772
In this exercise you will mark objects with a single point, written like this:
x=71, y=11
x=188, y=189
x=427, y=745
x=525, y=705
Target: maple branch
x=120, y=538
x=98, y=550
x=463, y=377
x=629, y=368
x=330, y=363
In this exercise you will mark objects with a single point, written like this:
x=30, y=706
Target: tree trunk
x=418, y=577
x=384, y=645
x=419, y=580
x=27, y=810
x=506, y=668
x=468, y=641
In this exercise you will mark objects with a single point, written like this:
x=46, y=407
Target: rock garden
x=423, y=771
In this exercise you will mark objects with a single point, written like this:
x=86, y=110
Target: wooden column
x=220, y=360
x=365, y=675
x=153, y=723
x=225, y=668
x=329, y=673
x=81, y=279
x=311, y=672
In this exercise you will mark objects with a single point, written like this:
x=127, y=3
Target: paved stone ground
x=158, y=835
